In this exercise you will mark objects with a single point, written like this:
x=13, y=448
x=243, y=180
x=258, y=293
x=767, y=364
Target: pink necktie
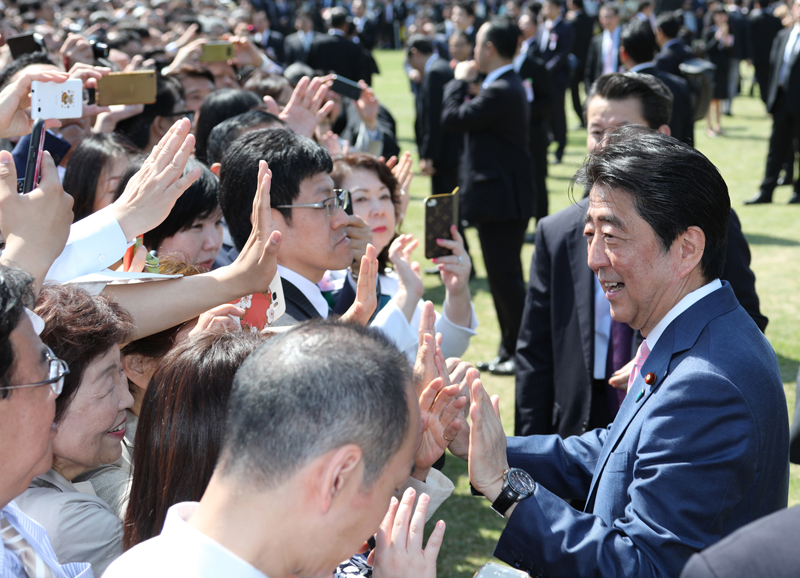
x=641, y=356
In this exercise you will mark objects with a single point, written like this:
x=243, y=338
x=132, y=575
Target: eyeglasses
x=331, y=204
x=187, y=113
x=58, y=369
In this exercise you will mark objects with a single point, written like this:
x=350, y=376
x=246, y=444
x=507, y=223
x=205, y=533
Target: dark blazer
x=594, y=61
x=794, y=435
x=433, y=141
x=764, y=27
x=349, y=124
x=691, y=457
x=792, y=90
x=681, y=125
x=335, y=53
x=556, y=53
x=766, y=547
x=495, y=178
x=555, y=349
x=293, y=48
x=533, y=70
x=273, y=44
x=298, y=307
x=368, y=36
x=583, y=26
x=670, y=58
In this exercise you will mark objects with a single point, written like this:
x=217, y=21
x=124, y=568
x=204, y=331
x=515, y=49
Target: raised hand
x=307, y=106
x=404, y=175
x=16, y=98
x=411, y=288
x=398, y=544
x=366, y=290
x=219, y=320
x=425, y=370
x=368, y=106
x=455, y=270
x=487, y=443
x=360, y=236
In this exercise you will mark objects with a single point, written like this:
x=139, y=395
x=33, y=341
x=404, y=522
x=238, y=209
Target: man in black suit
x=314, y=238
x=335, y=52
x=389, y=18
x=637, y=47
x=783, y=103
x=603, y=56
x=764, y=27
x=766, y=547
x=438, y=149
x=269, y=40
x=583, y=24
x=495, y=173
x=569, y=351
x=556, y=37
x=296, y=46
x=673, y=50
x=366, y=27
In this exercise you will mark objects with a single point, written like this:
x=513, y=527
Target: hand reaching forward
x=619, y=379
x=440, y=406
x=306, y=107
x=16, y=97
x=410, y=287
x=425, y=370
x=151, y=193
x=487, y=443
x=366, y=290
x=398, y=549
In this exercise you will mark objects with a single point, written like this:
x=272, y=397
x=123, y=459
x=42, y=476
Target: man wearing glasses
x=306, y=209
x=30, y=380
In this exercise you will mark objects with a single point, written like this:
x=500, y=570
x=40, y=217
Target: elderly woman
x=86, y=332
x=375, y=196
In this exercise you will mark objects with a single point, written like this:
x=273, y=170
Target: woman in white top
x=375, y=196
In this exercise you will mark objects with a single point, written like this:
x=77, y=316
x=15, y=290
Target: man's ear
x=664, y=129
x=692, y=247
x=136, y=369
x=215, y=167
x=342, y=473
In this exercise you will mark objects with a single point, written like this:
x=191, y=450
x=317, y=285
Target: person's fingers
x=402, y=519
x=261, y=202
x=391, y=163
x=383, y=538
x=496, y=404
x=139, y=260
x=415, y=267
x=309, y=93
x=176, y=151
x=324, y=111
x=427, y=321
x=417, y=527
x=319, y=97
x=435, y=541
x=453, y=426
x=8, y=175
x=430, y=394
x=271, y=105
x=154, y=154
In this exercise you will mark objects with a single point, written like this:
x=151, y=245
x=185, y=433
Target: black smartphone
x=33, y=166
x=22, y=44
x=346, y=87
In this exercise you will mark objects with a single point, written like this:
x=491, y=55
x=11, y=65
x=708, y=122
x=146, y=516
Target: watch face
x=520, y=481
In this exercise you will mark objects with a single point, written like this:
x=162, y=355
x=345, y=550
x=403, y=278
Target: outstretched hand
x=410, y=287
x=306, y=107
x=366, y=290
x=16, y=98
x=487, y=443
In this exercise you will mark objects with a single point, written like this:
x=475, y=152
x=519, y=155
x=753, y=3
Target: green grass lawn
x=772, y=231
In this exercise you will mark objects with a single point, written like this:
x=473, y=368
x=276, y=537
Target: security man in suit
x=783, y=103
x=603, y=54
x=495, y=180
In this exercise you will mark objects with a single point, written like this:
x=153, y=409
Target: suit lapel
x=297, y=298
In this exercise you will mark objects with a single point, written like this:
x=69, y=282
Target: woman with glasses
x=375, y=197
x=86, y=333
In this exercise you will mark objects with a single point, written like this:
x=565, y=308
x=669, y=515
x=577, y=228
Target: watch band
x=505, y=500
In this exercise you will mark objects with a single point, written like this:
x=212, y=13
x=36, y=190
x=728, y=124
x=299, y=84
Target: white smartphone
x=493, y=570
x=57, y=99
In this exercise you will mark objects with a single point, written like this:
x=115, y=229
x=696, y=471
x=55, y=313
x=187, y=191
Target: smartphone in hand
x=33, y=167
x=441, y=213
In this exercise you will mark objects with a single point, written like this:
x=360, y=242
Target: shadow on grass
x=788, y=368
x=769, y=240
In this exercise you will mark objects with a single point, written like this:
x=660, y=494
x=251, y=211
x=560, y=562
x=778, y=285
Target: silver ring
x=460, y=260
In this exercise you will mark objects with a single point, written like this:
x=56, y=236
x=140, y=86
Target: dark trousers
x=785, y=129
x=558, y=120
x=762, y=78
x=501, y=243
x=540, y=206
x=575, y=92
x=444, y=180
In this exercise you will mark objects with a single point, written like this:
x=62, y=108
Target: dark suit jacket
x=293, y=49
x=594, y=61
x=681, y=125
x=336, y=53
x=433, y=141
x=670, y=58
x=495, y=178
x=699, y=453
x=298, y=307
x=349, y=124
x=273, y=45
x=533, y=70
x=764, y=27
x=556, y=53
x=583, y=26
x=555, y=349
x=766, y=547
x=792, y=90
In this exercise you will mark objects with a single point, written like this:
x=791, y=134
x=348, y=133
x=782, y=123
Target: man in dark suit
x=673, y=50
x=603, y=56
x=495, y=179
x=389, y=18
x=556, y=37
x=783, y=103
x=764, y=27
x=438, y=149
x=766, y=547
x=335, y=52
x=569, y=347
x=269, y=40
x=700, y=445
x=637, y=47
x=296, y=46
x=583, y=24
x=366, y=27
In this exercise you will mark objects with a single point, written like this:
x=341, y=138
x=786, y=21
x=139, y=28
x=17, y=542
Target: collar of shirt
x=336, y=32
x=212, y=559
x=495, y=74
x=682, y=306
x=307, y=288
x=672, y=42
x=641, y=66
x=430, y=62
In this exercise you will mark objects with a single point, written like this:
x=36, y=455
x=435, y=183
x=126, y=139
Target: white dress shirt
x=181, y=550
x=36, y=536
x=495, y=74
x=307, y=288
x=602, y=330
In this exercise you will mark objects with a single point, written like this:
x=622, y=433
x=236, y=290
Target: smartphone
x=217, y=52
x=22, y=44
x=441, y=213
x=99, y=49
x=33, y=167
x=494, y=570
x=346, y=87
x=127, y=88
x=57, y=99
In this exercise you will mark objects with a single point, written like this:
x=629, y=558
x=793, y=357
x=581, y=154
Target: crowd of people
x=215, y=353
